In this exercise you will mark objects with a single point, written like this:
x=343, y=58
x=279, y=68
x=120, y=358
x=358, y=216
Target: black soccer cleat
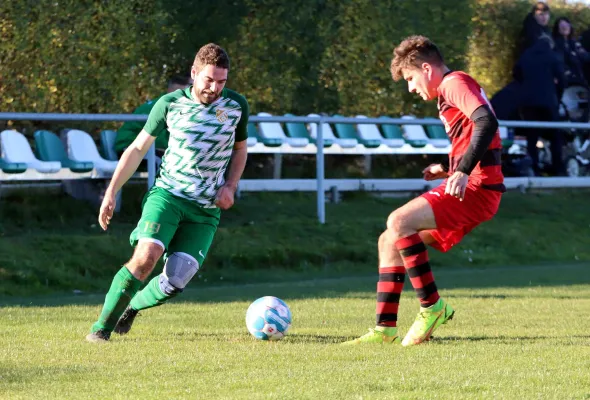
x=100, y=336
x=124, y=324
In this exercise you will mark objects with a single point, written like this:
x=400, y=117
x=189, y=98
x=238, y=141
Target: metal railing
x=320, y=120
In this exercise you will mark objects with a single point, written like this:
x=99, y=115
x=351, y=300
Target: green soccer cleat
x=427, y=321
x=374, y=336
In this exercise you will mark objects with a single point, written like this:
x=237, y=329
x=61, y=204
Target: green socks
x=151, y=296
x=122, y=290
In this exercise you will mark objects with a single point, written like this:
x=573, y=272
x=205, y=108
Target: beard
x=208, y=97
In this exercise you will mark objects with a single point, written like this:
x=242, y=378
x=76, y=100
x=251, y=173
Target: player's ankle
x=387, y=330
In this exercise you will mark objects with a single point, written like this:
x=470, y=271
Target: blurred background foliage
x=299, y=56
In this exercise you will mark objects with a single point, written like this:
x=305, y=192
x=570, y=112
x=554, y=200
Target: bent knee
x=395, y=221
x=178, y=271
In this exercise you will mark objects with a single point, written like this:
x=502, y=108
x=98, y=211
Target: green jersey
x=130, y=129
x=201, y=141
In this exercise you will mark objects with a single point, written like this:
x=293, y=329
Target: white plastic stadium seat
x=81, y=147
x=416, y=132
x=16, y=149
x=327, y=133
x=251, y=141
x=274, y=130
x=371, y=132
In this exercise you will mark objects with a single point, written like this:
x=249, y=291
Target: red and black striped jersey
x=459, y=95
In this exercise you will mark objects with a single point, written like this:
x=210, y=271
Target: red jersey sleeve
x=463, y=92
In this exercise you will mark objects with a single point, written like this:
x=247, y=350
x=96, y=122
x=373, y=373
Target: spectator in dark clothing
x=585, y=42
x=507, y=101
x=572, y=52
x=541, y=75
x=535, y=24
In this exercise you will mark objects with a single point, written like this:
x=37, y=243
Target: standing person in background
x=571, y=52
x=535, y=24
x=130, y=129
x=541, y=75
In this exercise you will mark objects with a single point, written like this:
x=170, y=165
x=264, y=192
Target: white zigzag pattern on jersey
x=198, y=154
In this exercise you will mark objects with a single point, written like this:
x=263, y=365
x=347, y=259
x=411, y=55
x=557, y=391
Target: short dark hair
x=412, y=52
x=541, y=6
x=211, y=54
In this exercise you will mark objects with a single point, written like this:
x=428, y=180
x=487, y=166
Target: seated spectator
x=535, y=24
x=130, y=129
x=540, y=73
x=571, y=52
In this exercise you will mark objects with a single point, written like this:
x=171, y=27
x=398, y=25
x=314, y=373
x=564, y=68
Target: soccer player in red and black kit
x=469, y=195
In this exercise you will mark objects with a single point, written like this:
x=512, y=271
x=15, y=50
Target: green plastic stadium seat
x=270, y=142
x=107, y=145
x=12, y=168
x=299, y=130
x=391, y=131
x=348, y=131
x=49, y=148
x=436, y=132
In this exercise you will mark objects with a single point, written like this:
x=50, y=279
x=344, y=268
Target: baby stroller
x=575, y=107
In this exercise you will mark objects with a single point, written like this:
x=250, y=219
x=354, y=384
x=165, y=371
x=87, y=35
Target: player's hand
x=456, y=185
x=225, y=196
x=433, y=172
x=106, y=209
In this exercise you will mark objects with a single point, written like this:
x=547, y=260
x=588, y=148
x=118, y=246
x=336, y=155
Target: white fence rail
x=320, y=183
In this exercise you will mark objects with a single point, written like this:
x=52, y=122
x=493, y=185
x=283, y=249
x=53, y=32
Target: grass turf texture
x=54, y=244
x=519, y=332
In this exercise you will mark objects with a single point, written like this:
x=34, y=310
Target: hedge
x=300, y=56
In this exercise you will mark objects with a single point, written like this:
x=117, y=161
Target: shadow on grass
x=509, y=339
x=241, y=338
x=360, y=286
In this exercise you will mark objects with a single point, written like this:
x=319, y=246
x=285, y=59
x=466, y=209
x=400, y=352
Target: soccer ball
x=268, y=318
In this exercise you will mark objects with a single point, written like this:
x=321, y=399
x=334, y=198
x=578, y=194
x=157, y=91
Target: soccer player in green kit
x=200, y=170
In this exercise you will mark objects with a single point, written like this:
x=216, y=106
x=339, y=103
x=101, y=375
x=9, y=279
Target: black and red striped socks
x=389, y=289
x=413, y=251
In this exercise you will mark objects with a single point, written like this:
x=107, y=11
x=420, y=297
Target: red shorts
x=455, y=218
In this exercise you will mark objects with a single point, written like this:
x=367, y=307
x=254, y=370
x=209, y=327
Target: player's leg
x=185, y=254
x=392, y=273
x=154, y=231
x=403, y=227
x=389, y=288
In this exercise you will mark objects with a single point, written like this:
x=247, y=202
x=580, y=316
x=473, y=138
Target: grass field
x=52, y=244
x=519, y=333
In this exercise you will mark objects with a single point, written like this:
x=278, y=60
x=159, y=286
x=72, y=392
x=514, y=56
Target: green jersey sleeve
x=242, y=128
x=127, y=133
x=156, y=123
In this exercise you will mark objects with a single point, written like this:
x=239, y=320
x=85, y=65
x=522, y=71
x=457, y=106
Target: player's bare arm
x=130, y=160
x=225, y=195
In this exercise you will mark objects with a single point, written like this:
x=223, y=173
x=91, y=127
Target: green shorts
x=176, y=224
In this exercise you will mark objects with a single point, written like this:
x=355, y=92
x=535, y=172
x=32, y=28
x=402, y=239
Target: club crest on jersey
x=221, y=115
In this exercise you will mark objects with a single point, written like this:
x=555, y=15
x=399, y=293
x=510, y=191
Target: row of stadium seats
x=77, y=152
x=299, y=134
